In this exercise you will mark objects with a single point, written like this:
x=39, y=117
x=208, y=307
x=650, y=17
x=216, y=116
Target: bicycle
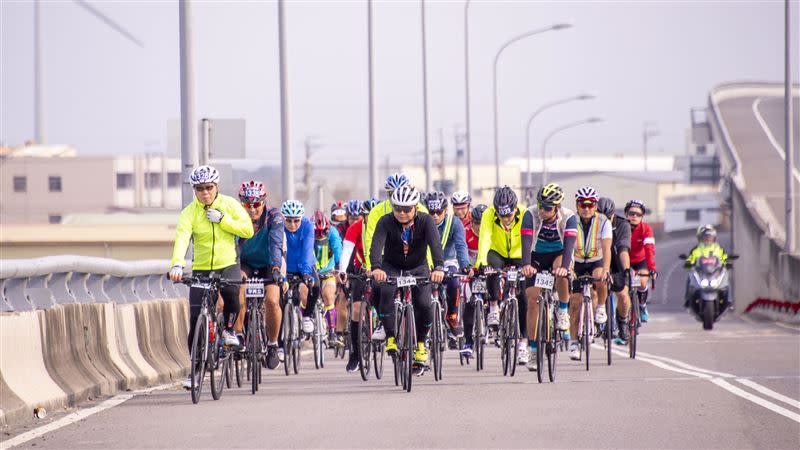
x=256, y=333
x=405, y=327
x=206, y=354
x=548, y=336
x=509, y=333
x=606, y=330
x=586, y=327
x=290, y=328
x=438, y=335
x=480, y=332
x=635, y=322
x=319, y=337
x=340, y=351
x=370, y=351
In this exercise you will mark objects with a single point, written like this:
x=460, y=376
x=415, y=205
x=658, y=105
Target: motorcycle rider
x=706, y=247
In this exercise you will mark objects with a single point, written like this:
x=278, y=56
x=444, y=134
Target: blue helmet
x=396, y=181
x=293, y=208
x=352, y=207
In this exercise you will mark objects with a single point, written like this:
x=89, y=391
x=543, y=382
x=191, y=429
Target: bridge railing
x=766, y=271
x=41, y=283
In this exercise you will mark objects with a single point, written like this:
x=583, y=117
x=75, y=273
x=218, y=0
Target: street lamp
x=556, y=131
x=467, y=137
x=647, y=132
x=587, y=96
x=556, y=27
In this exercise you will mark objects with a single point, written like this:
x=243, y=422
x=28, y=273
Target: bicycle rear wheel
x=364, y=340
x=514, y=334
x=286, y=332
x=553, y=342
x=478, y=335
x=542, y=338
x=199, y=354
x=216, y=364
x=633, y=325
x=319, y=317
x=610, y=321
x=436, y=330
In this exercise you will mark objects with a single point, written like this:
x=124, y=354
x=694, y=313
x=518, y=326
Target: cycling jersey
x=265, y=248
x=451, y=234
x=406, y=249
x=550, y=234
x=643, y=245
x=381, y=209
x=327, y=251
x=300, y=249
x=214, y=243
x=471, y=238
x=507, y=243
x=588, y=244
x=353, y=247
x=621, y=232
x=342, y=227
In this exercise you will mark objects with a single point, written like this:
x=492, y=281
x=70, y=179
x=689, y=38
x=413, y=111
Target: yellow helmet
x=551, y=194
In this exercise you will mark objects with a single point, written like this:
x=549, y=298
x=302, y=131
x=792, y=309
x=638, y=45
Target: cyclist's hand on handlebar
x=308, y=279
x=277, y=276
x=342, y=277
x=653, y=275
x=528, y=270
x=176, y=273
x=560, y=272
x=437, y=276
x=467, y=271
x=379, y=275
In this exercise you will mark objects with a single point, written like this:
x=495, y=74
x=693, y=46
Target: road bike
x=548, y=336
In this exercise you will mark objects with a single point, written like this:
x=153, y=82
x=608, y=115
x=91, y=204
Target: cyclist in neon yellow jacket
x=212, y=222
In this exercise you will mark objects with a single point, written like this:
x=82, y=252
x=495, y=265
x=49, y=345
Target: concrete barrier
x=127, y=340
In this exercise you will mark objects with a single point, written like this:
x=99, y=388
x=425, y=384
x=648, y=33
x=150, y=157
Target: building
x=687, y=212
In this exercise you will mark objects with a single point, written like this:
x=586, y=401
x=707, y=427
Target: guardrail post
x=15, y=292
x=77, y=286
x=59, y=287
x=95, y=284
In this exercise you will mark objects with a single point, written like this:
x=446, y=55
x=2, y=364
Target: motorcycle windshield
x=709, y=265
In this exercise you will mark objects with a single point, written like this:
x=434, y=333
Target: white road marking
x=77, y=416
x=775, y=144
x=664, y=363
x=769, y=392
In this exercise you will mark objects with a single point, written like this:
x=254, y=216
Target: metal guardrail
x=41, y=283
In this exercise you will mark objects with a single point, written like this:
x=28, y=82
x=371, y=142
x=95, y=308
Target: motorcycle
x=707, y=288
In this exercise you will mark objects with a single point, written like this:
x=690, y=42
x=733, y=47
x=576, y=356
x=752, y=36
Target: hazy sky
x=644, y=60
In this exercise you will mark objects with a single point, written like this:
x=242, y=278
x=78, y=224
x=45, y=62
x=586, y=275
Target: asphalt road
x=688, y=388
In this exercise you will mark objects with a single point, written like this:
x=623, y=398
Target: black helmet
x=436, y=201
x=636, y=204
x=551, y=194
x=505, y=201
x=477, y=212
x=606, y=206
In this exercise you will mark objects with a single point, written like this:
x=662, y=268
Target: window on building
x=54, y=218
x=20, y=184
x=692, y=215
x=55, y=183
x=152, y=180
x=173, y=179
x=124, y=181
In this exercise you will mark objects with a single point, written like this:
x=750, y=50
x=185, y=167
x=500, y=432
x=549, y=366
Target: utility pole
x=286, y=150
x=428, y=170
x=188, y=124
x=459, y=139
x=441, y=160
x=788, y=146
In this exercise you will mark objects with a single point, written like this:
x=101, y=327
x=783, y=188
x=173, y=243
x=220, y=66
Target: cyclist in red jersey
x=643, y=250
x=462, y=209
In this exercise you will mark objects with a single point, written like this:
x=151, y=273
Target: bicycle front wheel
x=542, y=336
x=610, y=320
x=254, y=350
x=513, y=336
x=633, y=324
x=478, y=335
x=364, y=340
x=588, y=326
x=216, y=364
x=436, y=342
x=410, y=345
x=199, y=353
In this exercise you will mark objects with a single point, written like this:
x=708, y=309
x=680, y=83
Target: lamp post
x=287, y=163
x=529, y=177
x=558, y=26
x=788, y=147
x=556, y=131
x=467, y=139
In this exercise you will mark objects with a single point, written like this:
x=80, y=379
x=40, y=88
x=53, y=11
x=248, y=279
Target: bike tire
x=435, y=340
x=255, y=348
x=410, y=344
x=238, y=370
x=364, y=340
x=514, y=337
x=708, y=314
x=542, y=338
x=198, y=356
x=316, y=337
x=553, y=344
x=610, y=321
x=378, y=354
x=286, y=331
x=588, y=328
x=633, y=327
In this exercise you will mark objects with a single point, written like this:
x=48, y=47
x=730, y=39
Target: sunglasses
x=547, y=208
x=253, y=205
x=297, y=220
x=587, y=205
x=437, y=213
x=206, y=187
x=633, y=214
x=403, y=209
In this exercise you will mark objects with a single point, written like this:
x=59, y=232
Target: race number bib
x=202, y=285
x=406, y=281
x=636, y=280
x=544, y=281
x=512, y=275
x=479, y=286
x=254, y=289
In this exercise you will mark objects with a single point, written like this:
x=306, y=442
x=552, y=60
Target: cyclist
x=707, y=246
x=401, y=243
x=643, y=251
x=327, y=251
x=461, y=208
x=353, y=245
x=262, y=257
x=212, y=221
x=300, y=258
x=620, y=265
x=592, y=256
x=339, y=217
x=352, y=213
x=469, y=308
x=554, y=231
x=454, y=245
x=505, y=235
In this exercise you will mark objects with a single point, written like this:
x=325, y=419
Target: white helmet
x=293, y=208
x=395, y=181
x=405, y=196
x=461, y=198
x=204, y=174
x=587, y=192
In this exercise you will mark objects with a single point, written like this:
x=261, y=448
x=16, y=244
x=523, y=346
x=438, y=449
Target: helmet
x=606, y=206
x=367, y=206
x=436, y=201
x=636, y=204
x=352, y=207
x=505, y=201
x=204, y=174
x=477, y=212
x=396, y=181
x=293, y=208
x=252, y=192
x=587, y=192
x=321, y=224
x=338, y=208
x=405, y=196
x=706, y=230
x=550, y=194
x=461, y=198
